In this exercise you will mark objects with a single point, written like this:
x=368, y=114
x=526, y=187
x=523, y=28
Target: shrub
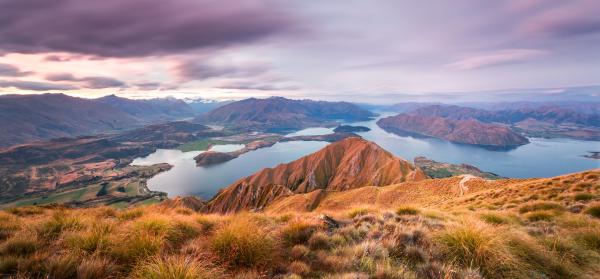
x=319, y=240
x=174, y=267
x=96, y=267
x=541, y=206
x=594, y=210
x=407, y=210
x=297, y=232
x=583, y=197
x=18, y=246
x=242, y=244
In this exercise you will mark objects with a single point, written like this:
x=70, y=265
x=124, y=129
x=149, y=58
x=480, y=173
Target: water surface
x=540, y=158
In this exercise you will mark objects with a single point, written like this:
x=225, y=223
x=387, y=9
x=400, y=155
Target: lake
x=540, y=158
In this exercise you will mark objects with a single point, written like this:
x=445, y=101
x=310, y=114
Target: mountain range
x=27, y=118
x=277, y=114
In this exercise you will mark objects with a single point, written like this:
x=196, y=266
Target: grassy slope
x=501, y=229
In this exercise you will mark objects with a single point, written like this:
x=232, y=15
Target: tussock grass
x=92, y=240
x=537, y=260
x=299, y=268
x=131, y=214
x=297, y=232
x=26, y=210
x=495, y=219
x=159, y=242
x=541, y=206
x=179, y=267
x=131, y=248
x=319, y=241
x=8, y=225
x=358, y=212
x=542, y=215
x=477, y=246
x=62, y=266
x=242, y=243
x=59, y=223
x=407, y=210
x=19, y=246
x=593, y=210
x=583, y=197
x=96, y=267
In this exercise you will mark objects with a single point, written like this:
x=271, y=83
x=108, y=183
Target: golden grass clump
x=477, y=246
x=319, y=241
x=407, y=210
x=58, y=223
x=583, y=197
x=8, y=225
x=129, y=248
x=299, y=268
x=593, y=210
x=25, y=210
x=95, y=238
x=19, y=246
x=171, y=267
x=297, y=232
x=541, y=215
x=541, y=206
x=242, y=243
x=495, y=219
x=96, y=267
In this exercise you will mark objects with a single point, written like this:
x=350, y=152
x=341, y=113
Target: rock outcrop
x=344, y=165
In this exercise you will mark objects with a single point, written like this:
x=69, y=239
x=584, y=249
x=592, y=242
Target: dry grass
x=523, y=235
x=242, y=243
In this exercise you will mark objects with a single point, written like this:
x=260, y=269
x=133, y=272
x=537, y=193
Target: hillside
x=460, y=131
x=37, y=171
x=515, y=228
x=278, y=114
x=549, y=121
x=150, y=110
x=27, y=118
x=346, y=164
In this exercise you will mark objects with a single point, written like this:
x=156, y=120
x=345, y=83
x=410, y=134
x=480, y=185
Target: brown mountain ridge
x=344, y=165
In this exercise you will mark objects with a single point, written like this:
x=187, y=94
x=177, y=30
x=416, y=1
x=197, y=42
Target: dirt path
x=461, y=185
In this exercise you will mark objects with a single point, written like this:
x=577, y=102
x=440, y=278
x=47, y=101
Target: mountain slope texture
x=347, y=164
x=281, y=114
x=460, y=131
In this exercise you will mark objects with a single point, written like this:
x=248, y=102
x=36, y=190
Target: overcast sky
x=346, y=50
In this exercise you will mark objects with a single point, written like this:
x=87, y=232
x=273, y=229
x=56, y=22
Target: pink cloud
x=501, y=57
x=569, y=19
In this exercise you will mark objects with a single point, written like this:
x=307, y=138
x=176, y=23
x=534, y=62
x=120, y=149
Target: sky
x=380, y=51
